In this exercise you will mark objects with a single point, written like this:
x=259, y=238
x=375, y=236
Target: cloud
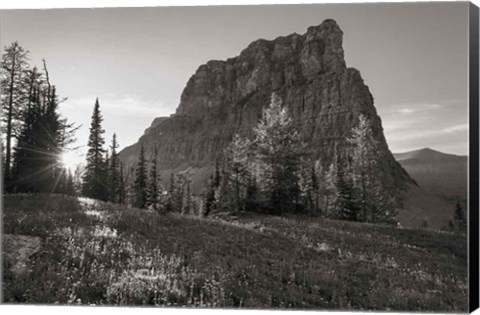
x=409, y=108
x=425, y=124
x=406, y=110
x=456, y=128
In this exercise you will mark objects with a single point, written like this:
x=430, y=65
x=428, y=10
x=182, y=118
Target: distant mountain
x=439, y=173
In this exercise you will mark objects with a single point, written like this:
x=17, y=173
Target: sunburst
x=71, y=159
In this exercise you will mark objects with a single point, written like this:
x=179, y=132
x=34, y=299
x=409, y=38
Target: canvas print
x=257, y=157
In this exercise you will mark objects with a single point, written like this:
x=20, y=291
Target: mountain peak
x=426, y=154
x=328, y=25
x=267, y=65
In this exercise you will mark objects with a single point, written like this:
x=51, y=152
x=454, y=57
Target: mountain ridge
x=439, y=173
x=425, y=153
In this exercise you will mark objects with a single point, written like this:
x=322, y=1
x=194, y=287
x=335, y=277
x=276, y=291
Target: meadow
x=100, y=253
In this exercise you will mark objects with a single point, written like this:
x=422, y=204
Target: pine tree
x=363, y=163
x=106, y=167
x=77, y=179
x=61, y=181
x=114, y=172
x=347, y=202
x=25, y=166
x=217, y=177
x=95, y=176
x=210, y=200
x=70, y=185
x=232, y=182
x=214, y=182
x=374, y=202
x=459, y=218
x=278, y=147
x=122, y=194
x=153, y=188
x=37, y=166
x=331, y=190
x=182, y=198
x=170, y=194
x=251, y=195
x=188, y=199
x=312, y=191
x=140, y=185
x=319, y=186
x=13, y=72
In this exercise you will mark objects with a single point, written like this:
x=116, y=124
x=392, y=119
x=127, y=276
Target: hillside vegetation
x=99, y=253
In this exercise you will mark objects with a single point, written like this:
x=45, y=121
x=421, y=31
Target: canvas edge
x=473, y=158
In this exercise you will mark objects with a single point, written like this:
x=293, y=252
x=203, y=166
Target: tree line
x=34, y=134
x=106, y=178
x=272, y=173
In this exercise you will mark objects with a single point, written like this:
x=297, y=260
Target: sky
x=413, y=57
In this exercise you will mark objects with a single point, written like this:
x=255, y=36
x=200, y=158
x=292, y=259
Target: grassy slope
x=130, y=256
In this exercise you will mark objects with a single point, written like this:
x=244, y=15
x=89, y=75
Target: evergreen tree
x=309, y=187
x=106, y=167
x=154, y=184
x=13, y=72
x=347, y=202
x=278, y=147
x=210, y=200
x=2, y=154
x=27, y=144
x=214, y=182
x=95, y=176
x=114, y=172
x=251, y=195
x=363, y=163
x=331, y=189
x=188, y=199
x=122, y=194
x=459, y=218
x=37, y=166
x=236, y=169
x=374, y=202
x=181, y=196
x=70, y=184
x=140, y=184
x=313, y=191
x=77, y=179
x=170, y=194
x=42, y=134
x=217, y=177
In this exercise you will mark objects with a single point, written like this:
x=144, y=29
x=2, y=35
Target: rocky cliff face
x=224, y=98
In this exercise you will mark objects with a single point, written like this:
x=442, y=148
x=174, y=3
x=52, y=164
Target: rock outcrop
x=224, y=98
